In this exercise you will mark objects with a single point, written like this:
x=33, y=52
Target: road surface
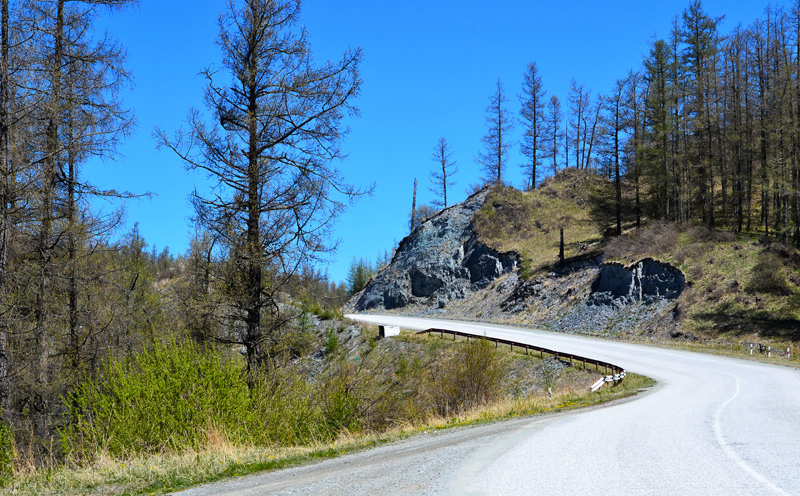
x=713, y=425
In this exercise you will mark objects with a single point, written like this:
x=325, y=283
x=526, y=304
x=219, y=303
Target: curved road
x=713, y=425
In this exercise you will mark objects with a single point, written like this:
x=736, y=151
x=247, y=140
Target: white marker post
x=751, y=349
x=769, y=351
x=789, y=353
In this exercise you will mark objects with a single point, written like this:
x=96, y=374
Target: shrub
x=329, y=314
x=331, y=343
x=285, y=410
x=654, y=239
x=470, y=377
x=768, y=276
x=341, y=405
x=702, y=234
x=165, y=398
x=6, y=454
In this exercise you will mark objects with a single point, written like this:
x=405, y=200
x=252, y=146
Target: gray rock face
x=647, y=281
x=440, y=261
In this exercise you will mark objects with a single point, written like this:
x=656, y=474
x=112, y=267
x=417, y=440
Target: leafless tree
x=496, y=141
x=272, y=150
x=72, y=81
x=553, y=118
x=579, y=108
x=533, y=101
x=442, y=175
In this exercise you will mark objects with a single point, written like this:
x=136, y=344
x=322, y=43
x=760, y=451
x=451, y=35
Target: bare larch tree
x=272, y=149
x=496, y=141
x=442, y=175
x=533, y=101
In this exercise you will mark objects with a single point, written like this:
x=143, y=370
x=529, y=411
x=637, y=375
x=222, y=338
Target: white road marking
x=731, y=453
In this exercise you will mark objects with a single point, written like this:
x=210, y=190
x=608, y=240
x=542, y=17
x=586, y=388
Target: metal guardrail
x=616, y=374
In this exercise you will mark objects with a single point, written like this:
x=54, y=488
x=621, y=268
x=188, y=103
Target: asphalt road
x=713, y=425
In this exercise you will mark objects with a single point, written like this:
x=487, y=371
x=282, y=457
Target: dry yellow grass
x=529, y=222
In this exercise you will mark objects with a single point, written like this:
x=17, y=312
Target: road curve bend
x=713, y=425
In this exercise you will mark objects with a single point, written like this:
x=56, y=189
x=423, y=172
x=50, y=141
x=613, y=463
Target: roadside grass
x=735, y=350
x=161, y=473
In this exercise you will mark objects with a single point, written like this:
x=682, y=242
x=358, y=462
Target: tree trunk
x=414, y=206
x=5, y=206
x=253, y=338
x=45, y=248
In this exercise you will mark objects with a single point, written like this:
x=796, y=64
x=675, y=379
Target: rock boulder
x=441, y=260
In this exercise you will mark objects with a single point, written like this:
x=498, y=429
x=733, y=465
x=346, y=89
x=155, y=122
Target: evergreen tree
x=358, y=275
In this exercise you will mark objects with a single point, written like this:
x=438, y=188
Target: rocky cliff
x=648, y=280
x=442, y=260
x=444, y=269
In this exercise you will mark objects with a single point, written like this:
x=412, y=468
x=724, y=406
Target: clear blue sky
x=429, y=69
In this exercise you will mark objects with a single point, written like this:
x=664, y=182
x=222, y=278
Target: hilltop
x=496, y=257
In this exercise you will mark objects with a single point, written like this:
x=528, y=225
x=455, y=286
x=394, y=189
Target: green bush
x=341, y=405
x=6, y=454
x=768, y=276
x=331, y=343
x=285, y=410
x=330, y=314
x=177, y=396
x=471, y=377
x=166, y=398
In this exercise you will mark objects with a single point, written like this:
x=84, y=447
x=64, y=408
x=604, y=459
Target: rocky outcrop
x=440, y=261
x=648, y=281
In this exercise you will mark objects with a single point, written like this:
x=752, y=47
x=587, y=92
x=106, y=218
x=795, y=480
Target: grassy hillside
x=740, y=288
x=529, y=222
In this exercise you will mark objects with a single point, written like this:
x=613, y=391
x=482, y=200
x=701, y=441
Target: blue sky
x=429, y=69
